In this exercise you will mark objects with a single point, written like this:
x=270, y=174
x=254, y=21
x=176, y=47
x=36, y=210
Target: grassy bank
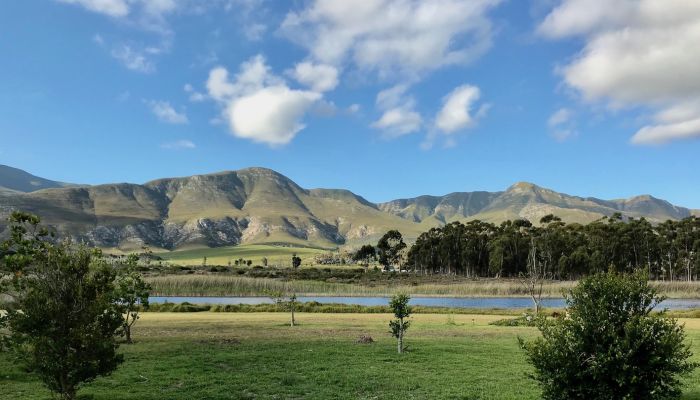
x=232, y=285
x=257, y=356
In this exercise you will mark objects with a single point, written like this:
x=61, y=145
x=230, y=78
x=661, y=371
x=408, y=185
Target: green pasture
x=258, y=356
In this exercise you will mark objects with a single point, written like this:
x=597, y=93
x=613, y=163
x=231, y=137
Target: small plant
x=365, y=339
x=132, y=294
x=610, y=345
x=285, y=302
x=402, y=311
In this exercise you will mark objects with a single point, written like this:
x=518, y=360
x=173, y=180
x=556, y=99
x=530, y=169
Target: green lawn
x=276, y=255
x=257, y=356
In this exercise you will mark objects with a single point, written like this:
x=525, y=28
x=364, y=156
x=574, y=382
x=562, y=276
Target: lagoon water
x=456, y=302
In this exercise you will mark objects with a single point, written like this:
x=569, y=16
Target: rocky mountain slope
x=258, y=205
x=529, y=201
x=254, y=205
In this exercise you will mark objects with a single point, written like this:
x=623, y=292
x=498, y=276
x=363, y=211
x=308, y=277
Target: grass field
x=257, y=356
x=276, y=255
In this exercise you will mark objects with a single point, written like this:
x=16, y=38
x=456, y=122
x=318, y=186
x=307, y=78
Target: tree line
x=666, y=251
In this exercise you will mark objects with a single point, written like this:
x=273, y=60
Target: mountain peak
x=523, y=186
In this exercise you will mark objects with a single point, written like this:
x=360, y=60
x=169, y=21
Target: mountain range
x=259, y=205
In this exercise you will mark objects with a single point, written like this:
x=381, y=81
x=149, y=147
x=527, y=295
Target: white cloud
x=253, y=75
x=398, y=122
x=456, y=112
x=112, y=8
x=637, y=53
x=254, y=31
x=318, y=77
x=182, y=144
x=561, y=125
x=270, y=115
x=399, y=116
x=133, y=59
x=258, y=104
x=353, y=108
x=195, y=96
x=97, y=38
x=166, y=113
x=658, y=134
x=393, y=36
x=561, y=116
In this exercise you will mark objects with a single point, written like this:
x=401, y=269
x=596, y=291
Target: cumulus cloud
x=182, y=144
x=318, y=77
x=457, y=109
x=399, y=116
x=165, y=112
x=638, y=53
x=258, y=104
x=389, y=36
x=270, y=115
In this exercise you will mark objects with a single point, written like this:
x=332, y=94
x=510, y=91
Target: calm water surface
x=456, y=302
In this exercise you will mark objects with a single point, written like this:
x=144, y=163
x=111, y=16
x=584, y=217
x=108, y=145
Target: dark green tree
x=64, y=320
x=399, y=325
x=296, y=261
x=365, y=255
x=610, y=345
x=389, y=248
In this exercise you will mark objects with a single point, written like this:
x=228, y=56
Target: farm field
x=258, y=356
x=276, y=255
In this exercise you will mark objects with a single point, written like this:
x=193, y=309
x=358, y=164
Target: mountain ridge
x=260, y=205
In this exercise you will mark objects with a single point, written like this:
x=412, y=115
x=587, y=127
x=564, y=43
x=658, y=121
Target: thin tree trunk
x=292, y=324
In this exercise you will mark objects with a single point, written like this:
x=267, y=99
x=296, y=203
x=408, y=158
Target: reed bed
x=222, y=285
x=227, y=285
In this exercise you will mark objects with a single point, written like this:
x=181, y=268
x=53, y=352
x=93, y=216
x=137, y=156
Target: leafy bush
x=610, y=345
x=64, y=321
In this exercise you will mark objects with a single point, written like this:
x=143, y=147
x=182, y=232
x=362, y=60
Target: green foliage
x=610, y=345
x=64, y=321
x=131, y=293
x=398, y=326
x=389, y=249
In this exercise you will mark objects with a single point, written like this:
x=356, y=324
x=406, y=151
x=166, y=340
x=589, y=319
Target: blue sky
x=387, y=98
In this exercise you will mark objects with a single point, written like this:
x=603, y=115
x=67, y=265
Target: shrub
x=64, y=321
x=610, y=345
